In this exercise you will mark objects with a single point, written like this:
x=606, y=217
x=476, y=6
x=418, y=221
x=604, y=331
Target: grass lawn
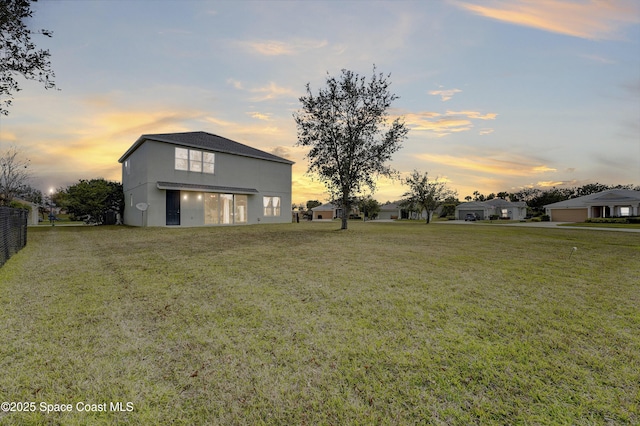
x=603, y=225
x=388, y=323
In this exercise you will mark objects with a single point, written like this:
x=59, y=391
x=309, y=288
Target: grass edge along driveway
x=304, y=324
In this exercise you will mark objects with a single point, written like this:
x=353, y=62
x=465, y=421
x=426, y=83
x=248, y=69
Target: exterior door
x=173, y=207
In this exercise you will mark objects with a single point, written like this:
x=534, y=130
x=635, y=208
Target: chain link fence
x=13, y=232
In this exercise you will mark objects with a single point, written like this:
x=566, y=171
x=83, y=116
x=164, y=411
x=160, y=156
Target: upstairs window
x=194, y=160
x=182, y=159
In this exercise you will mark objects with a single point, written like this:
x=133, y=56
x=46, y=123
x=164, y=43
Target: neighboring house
x=34, y=217
x=610, y=203
x=484, y=209
x=330, y=211
x=201, y=179
x=390, y=211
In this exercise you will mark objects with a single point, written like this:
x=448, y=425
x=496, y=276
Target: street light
x=51, y=216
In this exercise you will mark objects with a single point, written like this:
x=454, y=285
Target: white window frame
x=182, y=160
x=193, y=160
x=272, y=206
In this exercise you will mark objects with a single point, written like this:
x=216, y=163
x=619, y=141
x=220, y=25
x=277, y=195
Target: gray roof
x=208, y=141
x=494, y=202
x=325, y=207
x=389, y=207
x=608, y=197
x=471, y=205
x=499, y=202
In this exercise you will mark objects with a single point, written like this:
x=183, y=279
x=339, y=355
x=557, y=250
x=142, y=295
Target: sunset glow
x=498, y=95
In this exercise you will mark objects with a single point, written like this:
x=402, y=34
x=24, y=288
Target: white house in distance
x=201, y=179
x=610, y=203
x=390, y=211
x=497, y=206
x=330, y=211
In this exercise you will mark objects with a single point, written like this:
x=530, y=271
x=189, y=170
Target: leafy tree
x=91, y=199
x=29, y=193
x=428, y=194
x=410, y=206
x=369, y=207
x=477, y=196
x=33, y=195
x=449, y=206
x=18, y=53
x=345, y=125
x=313, y=203
x=60, y=198
x=14, y=175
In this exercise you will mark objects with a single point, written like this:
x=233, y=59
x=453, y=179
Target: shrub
x=545, y=218
x=607, y=220
x=19, y=205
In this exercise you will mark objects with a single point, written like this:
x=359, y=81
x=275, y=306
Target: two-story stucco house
x=201, y=179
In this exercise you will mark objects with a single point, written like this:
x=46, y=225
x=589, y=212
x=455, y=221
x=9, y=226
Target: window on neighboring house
x=505, y=213
x=194, y=160
x=131, y=200
x=127, y=167
x=271, y=206
x=625, y=211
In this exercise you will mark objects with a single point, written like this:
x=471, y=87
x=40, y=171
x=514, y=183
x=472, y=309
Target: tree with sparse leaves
x=345, y=125
x=427, y=194
x=14, y=175
x=18, y=54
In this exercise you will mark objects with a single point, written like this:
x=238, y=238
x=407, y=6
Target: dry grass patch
x=303, y=324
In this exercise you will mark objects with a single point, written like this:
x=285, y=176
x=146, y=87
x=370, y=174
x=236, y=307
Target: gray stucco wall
x=155, y=161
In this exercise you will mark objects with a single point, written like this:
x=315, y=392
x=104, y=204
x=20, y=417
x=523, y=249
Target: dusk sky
x=498, y=95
